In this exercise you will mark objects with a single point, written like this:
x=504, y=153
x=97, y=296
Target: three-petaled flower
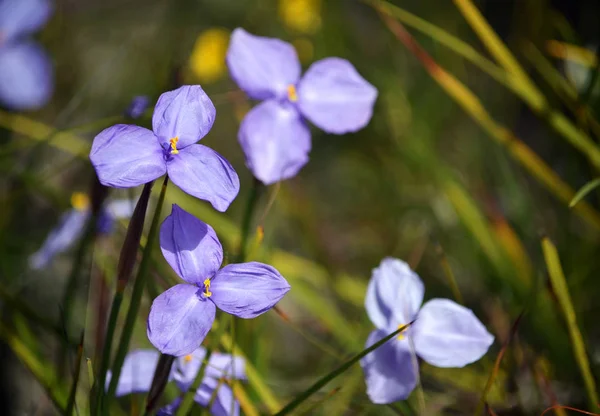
x=274, y=135
x=125, y=156
x=26, y=74
x=138, y=371
x=181, y=317
x=444, y=333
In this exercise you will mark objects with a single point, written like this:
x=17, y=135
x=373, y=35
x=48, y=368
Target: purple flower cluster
x=26, y=73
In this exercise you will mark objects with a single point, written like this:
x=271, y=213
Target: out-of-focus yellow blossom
x=207, y=60
x=303, y=16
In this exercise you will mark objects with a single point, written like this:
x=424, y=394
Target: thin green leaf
x=586, y=189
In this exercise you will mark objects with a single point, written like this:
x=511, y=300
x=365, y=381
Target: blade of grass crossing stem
x=341, y=369
x=124, y=269
x=73, y=393
x=586, y=189
x=136, y=297
x=561, y=290
x=472, y=106
x=159, y=381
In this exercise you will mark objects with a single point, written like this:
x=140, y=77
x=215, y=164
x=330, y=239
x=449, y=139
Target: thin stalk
x=136, y=297
x=73, y=393
x=159, y=381
x=341, y=369
x=124, y=270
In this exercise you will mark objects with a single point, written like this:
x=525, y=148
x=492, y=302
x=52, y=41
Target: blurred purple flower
x=138, y=371
x=444, y=334
x=72, y=224
x=125, y=156
x=137, y=107
x=181, y=317
x=274, y=134
x=26, y=73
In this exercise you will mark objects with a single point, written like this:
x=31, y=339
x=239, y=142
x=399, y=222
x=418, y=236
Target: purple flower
x=138, y=371
x=274, y=134
x=26, y=73
x=181, y=317
x=72, y=224
x=138, y=105
x=444, y=334
x=125, y=156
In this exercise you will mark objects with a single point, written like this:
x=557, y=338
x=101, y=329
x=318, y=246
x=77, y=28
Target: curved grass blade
x=586, y=189
x=561, y=290
x=341, y=369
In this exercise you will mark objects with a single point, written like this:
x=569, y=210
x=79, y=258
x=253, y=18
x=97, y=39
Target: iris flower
x=137, y=107
x=274, y=135
x=125, y=156
x=444, y=333
x=138, y=371
x=72, y=224
x=26, y=73
x=181, y=317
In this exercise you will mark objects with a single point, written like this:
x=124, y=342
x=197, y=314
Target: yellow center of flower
x=173, y=142
x=401, y=334
x=80, y=201
x=187, y=358
x=291, y=92
x=207, y=291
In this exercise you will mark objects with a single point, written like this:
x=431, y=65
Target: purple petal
x=137, y=107
x=137, y=372
x=447, y=334
x=186, y=113
x=205, y=174
x=394, y=294
x=171, y=408
x=26, y=76
x=120, y=208
x=389, y=370
x=179, y=320
x=335, y=98
x=275, y=140
x=60, y=239
x=247, y=290
x=220, y=365
x=262, y=67
x=225, y=403
x=190, y=246
x=22, y=17
x=125, y=156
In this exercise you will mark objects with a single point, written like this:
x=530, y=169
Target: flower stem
x=159, y=381
x=136, y=297
x=124, y=270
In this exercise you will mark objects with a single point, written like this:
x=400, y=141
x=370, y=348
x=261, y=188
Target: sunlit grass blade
x=73, y=393
x=569, y=52
x=246, y=404
x=568, y=408
x=340, y=370
x=473, y=106
x=586, y=189
x=561, y=290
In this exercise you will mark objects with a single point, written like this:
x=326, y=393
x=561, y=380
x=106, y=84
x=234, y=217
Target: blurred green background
x=473, y=154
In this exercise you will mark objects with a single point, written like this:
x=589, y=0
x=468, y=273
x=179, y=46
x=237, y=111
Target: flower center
x=173, y=143
x=401, y=334
x=187, y=358
x=207, y=291
x=291, y=93
x=80, y=201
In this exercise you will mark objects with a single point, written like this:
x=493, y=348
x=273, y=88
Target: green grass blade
x=561, y=290
x=586, y=189
x=73, y=393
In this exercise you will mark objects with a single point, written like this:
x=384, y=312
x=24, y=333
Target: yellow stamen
x=187, y=358
x=292, y=95
x=173, y=142
x=401, y=334
x=80, y=201
x=207, y=291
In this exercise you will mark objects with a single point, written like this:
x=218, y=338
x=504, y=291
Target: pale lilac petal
x=220, y=365
x=69, y=230
x=121, y=208
x=125, y=156
x=26, y=76
x=185, y=369
x=190, y=246
x=22, y=17
x=275, y=140
x=171, y=408
x=139, y=104
x=179, y=320
x=137, y=372
x=394, y=294
x=262, y=67
x=205, y=174
x=389, y=370
x=186, y=113
x=247, y=290
x=224, y=404
x=335, y=98
x=447, y=334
